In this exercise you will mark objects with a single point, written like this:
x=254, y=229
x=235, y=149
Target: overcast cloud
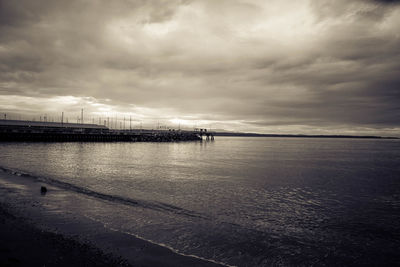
x=306, y=66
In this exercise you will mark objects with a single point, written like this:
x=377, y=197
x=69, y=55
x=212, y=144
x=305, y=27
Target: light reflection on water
x=244, y=201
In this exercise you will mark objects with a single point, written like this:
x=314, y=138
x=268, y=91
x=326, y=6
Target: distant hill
x=301, y=135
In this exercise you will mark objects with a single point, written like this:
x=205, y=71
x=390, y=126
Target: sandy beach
x=25, y=242
x=24, y=245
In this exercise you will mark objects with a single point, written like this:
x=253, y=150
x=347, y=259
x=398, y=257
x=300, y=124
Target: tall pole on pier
x=62, y=118
x=81, y=116
x=130, y=123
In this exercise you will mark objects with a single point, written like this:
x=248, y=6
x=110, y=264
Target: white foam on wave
x=107, y=226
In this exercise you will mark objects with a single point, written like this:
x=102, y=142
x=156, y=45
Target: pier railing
x=65, y=132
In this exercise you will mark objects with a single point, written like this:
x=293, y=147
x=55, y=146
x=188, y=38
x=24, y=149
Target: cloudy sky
x=277, y=66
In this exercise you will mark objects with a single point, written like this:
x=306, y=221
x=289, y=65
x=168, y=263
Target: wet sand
x=23, y=242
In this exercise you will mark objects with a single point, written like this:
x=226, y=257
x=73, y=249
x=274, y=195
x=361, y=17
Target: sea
x=239, y=201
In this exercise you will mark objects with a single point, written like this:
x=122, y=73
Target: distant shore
x=302, y=135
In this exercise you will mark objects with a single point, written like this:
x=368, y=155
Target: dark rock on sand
x=43, y=190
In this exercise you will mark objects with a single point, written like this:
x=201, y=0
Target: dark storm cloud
x=387, y=1
x=312, y=63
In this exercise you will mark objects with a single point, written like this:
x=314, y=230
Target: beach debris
x=43, y=190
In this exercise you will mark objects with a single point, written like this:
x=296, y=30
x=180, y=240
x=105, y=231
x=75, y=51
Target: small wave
x=105, y=225
x=155, y=205
x=126, y=201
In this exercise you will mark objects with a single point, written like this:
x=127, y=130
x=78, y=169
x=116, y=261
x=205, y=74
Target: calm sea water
x=241, y=201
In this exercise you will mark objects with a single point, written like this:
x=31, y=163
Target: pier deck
x=31, y=131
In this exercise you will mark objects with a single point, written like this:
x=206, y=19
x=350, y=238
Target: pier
x=32, y=131
x=204, y=133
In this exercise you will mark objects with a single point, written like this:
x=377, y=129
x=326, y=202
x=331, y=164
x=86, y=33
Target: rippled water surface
x=241, y=201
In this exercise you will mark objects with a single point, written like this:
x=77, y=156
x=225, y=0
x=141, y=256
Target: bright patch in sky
x=302, y=66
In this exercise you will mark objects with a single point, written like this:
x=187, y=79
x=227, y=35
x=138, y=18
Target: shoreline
x=22, y=228
x=22, y=244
